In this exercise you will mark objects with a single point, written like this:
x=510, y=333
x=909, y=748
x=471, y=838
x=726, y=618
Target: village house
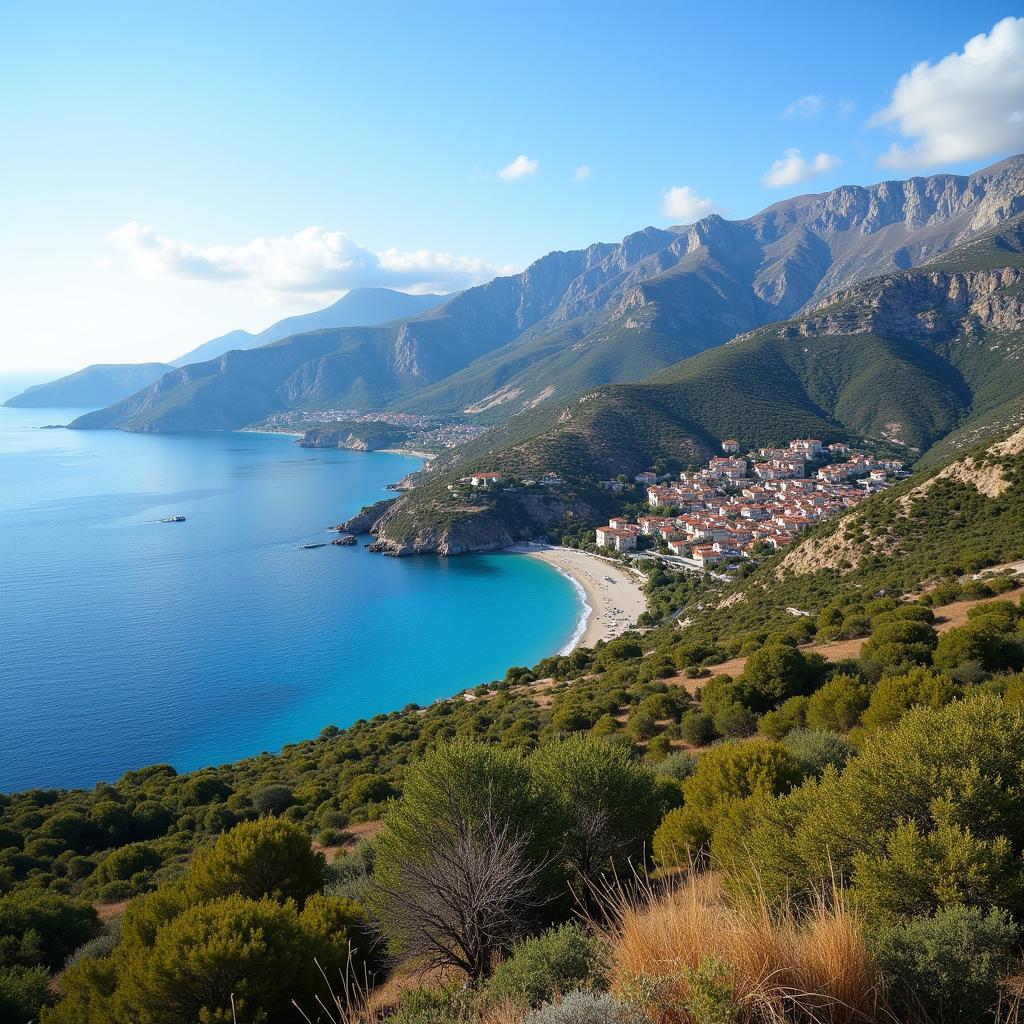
x=646, y=477
x=485, y=480
x=618, y=540
x=731, y=446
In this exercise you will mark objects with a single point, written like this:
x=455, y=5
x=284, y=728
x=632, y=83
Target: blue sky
x=145, y=147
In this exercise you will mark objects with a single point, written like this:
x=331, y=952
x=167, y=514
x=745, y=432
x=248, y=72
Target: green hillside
x=911, y=361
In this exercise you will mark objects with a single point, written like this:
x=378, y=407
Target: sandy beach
x=613, y=593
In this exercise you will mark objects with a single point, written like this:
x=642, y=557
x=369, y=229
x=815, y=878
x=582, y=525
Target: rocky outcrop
x=366, y=519
x=416, y=525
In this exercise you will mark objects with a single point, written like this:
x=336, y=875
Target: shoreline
x=613, y=596
x=426, y=456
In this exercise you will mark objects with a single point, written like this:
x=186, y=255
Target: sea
x=127, y=641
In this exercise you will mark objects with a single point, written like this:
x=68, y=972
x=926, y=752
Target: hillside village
x=740, y=506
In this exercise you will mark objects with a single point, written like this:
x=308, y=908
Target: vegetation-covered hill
x=576, y=320
x=909, y=359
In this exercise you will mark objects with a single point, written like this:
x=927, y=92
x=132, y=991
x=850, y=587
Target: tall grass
x=691, y=953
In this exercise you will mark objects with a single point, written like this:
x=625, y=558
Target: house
x=678, y=547
x=646, y=477
x=705, y=554
x=731, y=446
x=619, y=540
x=485, y=480
x=615, y=486
x=553, y=480
x=807, y=446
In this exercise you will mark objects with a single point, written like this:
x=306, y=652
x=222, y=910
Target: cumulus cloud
x=311, y=262
x=681, y=203
x=968, y=105
x=581, y=173
x=519, y=168
x=806, y=106
x=793, y=168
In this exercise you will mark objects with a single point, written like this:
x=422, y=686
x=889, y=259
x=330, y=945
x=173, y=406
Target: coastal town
x=426, y=433
x=742, y=506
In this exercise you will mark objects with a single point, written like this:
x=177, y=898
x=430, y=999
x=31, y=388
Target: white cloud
x=519, y=168
x=681, y=203
x=806, y=106
x=311, y=262
x=581, y=173
x=793, y=168
x=968, y=105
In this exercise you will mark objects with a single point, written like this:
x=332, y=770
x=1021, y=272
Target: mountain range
x=607, y=314
x=927, y=361
x=103, y=384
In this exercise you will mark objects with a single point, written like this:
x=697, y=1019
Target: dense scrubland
x=619, y=834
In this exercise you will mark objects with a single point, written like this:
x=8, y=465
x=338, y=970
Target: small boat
x=173, y=519
x=307, y=547
x=343, y=540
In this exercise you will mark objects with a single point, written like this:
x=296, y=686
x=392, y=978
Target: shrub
x=790, y=715
x=838, y=705
x=818, y=749
x=555, y=962
x=272, y=799
x=929, y=814
x=679, y=766
x=586, y=1008
x=267, y=857
x=697, y=727
x=724, y=775
x=24, y=991
x=734, y=721
x=894, y=696
x=772, y=674
x=947, y=965
x=42, y=928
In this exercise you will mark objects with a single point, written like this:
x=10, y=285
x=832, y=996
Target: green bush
x=818, y=749
x=24, y=991
x=724, y=776
x=267, y=857
x=947, y=966
x=697, y=727
x=838, y=705
x=790, y=715
x=555, y=962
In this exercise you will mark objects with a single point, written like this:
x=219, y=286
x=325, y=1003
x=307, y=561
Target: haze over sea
x=125, y=641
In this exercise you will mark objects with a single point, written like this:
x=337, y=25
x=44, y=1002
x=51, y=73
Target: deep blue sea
x=125, y=641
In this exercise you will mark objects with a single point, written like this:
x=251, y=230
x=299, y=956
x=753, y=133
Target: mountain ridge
x=102, y=384
x=617, y=312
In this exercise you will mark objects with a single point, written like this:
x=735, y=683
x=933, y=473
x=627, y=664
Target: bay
x=125, y=641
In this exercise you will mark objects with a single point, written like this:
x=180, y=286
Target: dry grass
x=777, y=966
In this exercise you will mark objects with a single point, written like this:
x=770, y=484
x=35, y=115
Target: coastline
x=426, y=456
x=613, y=596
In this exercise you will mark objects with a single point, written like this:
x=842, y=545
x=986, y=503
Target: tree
x=268, y=857
x=44, y=928
x=604, y=806
x=894, y=696
x=772, y=674
x=838, y=705
x=460, y=863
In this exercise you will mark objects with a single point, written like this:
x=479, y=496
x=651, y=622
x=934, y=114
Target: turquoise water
x=125, y=641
